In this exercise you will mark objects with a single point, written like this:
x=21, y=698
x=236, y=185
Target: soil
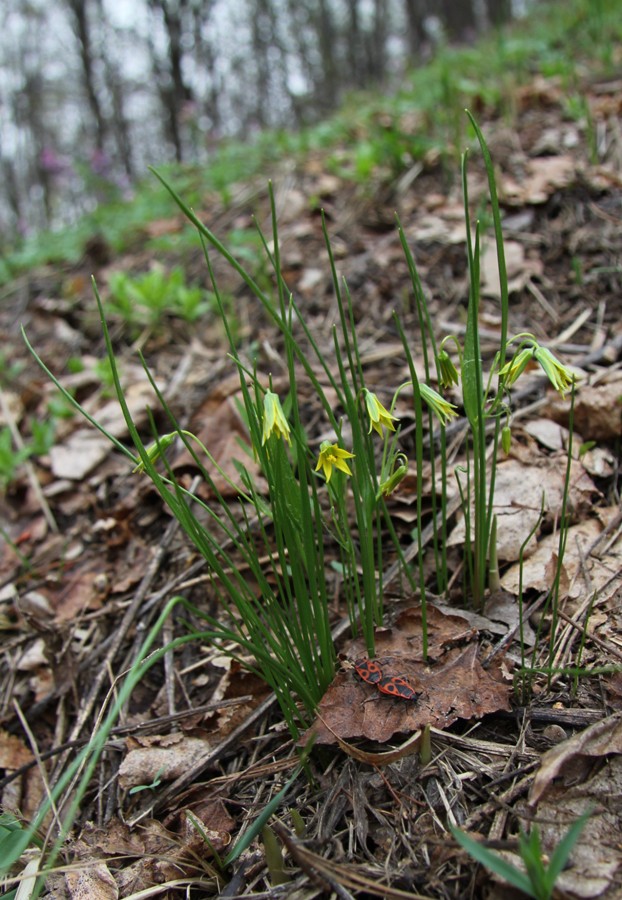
x=91, y=556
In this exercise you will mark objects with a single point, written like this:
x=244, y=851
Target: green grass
x=540, y=871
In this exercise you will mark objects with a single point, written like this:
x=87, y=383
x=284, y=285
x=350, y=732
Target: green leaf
x=493, y=861
x=562, y=852
x=12, y=845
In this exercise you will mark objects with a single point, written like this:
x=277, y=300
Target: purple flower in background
x=100, y=162
x=53, y=164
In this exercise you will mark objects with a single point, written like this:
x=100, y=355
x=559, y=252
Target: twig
x=118, y=731
x=164, y=799
x=128, y=619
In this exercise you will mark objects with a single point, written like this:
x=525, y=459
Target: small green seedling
x=146, y=299
x=12, y=456
x=539, y=879
x=157, y=781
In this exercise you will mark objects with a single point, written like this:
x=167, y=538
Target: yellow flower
x=274, y=421
x=442, y=409
x=333, y=457
x=516, y=366
x=379, y=416
x=560, y=377
x=155, y=451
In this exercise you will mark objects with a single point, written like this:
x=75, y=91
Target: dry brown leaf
x=115, y=839
x=519, y=269
x=519, y=489
x=225, y=436
x=570, y=760
x=452, y=686
x=159, y=850
x=78, y=592
x=161, y=227
x=502, y=607
x=166, y=756
x=447, y=228
x=540, y=92
x=567, y=785
x=216, y=821
x=545, y=175
x=411, y=745
x=79, y=454
x=598, y=409
x=599, y=462
x=445, y=629
x=85, y=448
x=548, y=433
x=93, y=882
x=13, y=751
x=537, y=572
x=592, y=870
x=139, y=395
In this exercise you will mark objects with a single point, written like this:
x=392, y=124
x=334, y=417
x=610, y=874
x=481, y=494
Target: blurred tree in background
x=93, y=91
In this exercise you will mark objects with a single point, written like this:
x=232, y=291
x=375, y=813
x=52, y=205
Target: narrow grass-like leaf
x=562, y=851
x=493, y=861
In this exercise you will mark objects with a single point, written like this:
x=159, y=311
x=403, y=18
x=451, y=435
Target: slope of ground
x=90, y=556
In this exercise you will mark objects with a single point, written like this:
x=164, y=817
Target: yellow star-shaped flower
x=333, y=457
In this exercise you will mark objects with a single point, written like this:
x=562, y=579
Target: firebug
x=368, y=670
x=396, y=686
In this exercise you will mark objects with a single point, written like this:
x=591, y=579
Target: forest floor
x=93, y=556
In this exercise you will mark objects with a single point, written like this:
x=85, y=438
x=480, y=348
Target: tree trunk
x=415, y=12
x=378, y=42
x=82, y=31
x=326, y=37
x=499, y=11
x=354, y=44
x=173, y=90
x=459, y=19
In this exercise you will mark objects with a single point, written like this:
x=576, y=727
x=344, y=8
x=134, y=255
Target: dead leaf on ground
x=453, y=686
x=161, y=853
x=164, y=756
x=216, y=821
x=583, y=574
x=547, y=433
x=446, y=227
x=79, y=454
x=160, y=227
x=501, y=606
x=83, y=450
x=78, y=592
x=519, y=268
x=13, y=751
x=598, y=409
x=594, y=864
x=519, y=489
x=566, y=785
x=92, y=882
x=225, y=436
x=571, y=759
x=544, y=175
